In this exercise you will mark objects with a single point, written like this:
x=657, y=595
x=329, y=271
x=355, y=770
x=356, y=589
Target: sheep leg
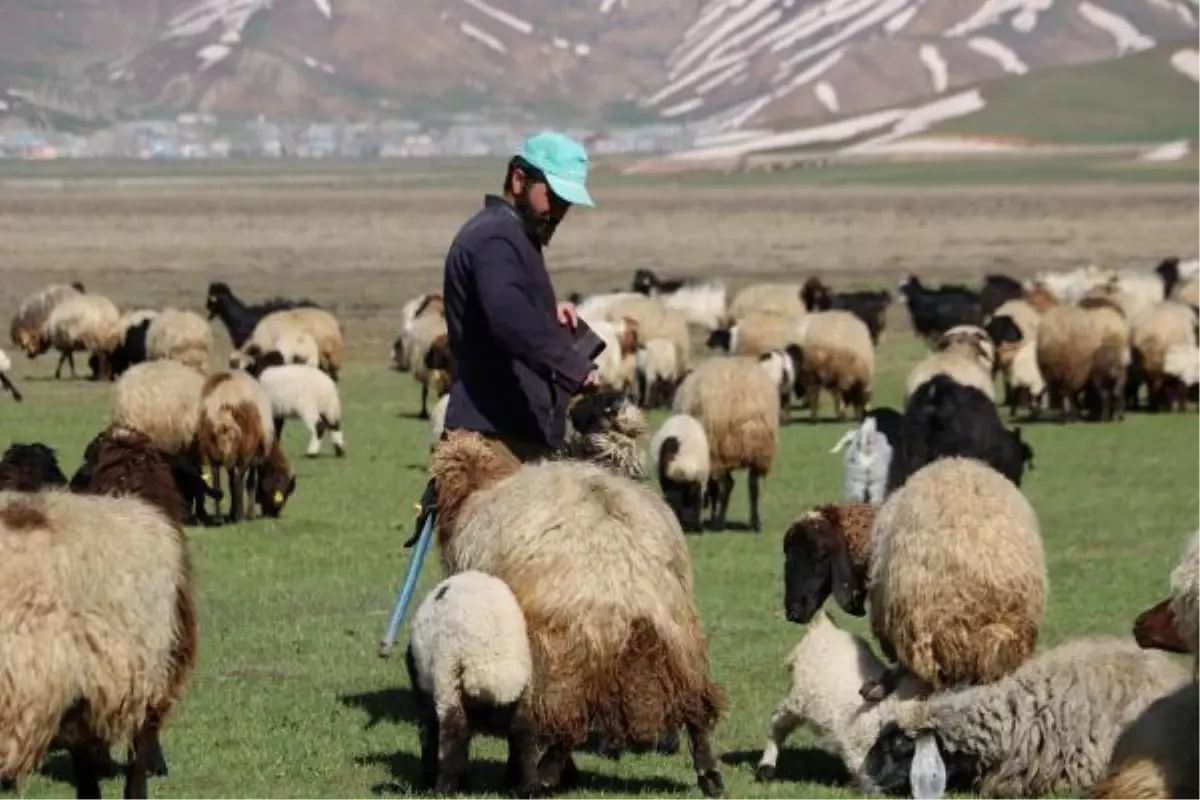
x=316, y=432
x=237, y=488
x=87, y=770
x=523, y=756
x=724, y=488
x=63, y=355
x=753, y=486
x=557, y=768
x=424, y=402
x=250, y=479
x=146, y=757
x=813, y=393
x=453, y=742
x=339, y=441
x=708, y=774
x=783, y=722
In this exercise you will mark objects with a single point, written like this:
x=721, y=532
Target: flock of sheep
x=574, y=575
x=570, y=609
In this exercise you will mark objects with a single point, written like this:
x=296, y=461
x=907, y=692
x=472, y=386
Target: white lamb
x=469, y=666
x=303, y=392
x=868, y=456
x=828, y=667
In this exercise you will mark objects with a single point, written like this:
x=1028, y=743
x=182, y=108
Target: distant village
x=203, y=136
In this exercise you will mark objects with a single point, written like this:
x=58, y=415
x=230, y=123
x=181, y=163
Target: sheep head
x=30, y=467
x=888, y=764
x=971, y=342
x=275, y=483
x=219, y=294
x=608, y=430
x=1154, y=629
x=644, y=282
x=817, y=563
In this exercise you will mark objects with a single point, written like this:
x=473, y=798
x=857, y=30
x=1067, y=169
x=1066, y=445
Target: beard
x=542, y=225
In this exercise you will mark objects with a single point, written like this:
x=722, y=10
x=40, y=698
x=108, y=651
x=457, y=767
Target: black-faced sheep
x=679, y=455
x=934, y=311
x=131, y=347
x=1046, y=729
x=298, y=391
x=469, y=667
x=30, y=467
x=236, y=432
x=6, y=382
x=239, y=318
x=143, y=610
x=944, y=418
x=827, y=550
x=25, y=328
x=832, y=350
x=957, y=582
x=738, y=405
x=601, y=570
x=755, y=334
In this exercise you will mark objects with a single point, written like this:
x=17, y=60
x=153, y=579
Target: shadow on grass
x=489, y=776
x=386, y=705
x=797, y=765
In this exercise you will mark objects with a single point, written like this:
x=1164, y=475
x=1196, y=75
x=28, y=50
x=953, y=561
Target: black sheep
x=998, y=290
x=30, y=467
x=935, y=311
x=945, y=418
x=240, y=319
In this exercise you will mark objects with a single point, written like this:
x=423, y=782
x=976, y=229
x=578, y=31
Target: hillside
x=734, y=64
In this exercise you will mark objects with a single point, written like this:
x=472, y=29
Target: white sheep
x=303, y=392
x=679, y=454
x=469, y=665
x=827, y=668
x=868, y=455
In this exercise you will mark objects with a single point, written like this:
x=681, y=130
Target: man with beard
x=511, y=341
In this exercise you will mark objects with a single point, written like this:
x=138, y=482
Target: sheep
x=1181, y=375
x=1022, y=314
x=181, y=335
x=88, y=322
x=1070, y=341
x=1152, y=331
x=827, y=550
x=933, y=311
x=469, y=667
x=945, y=418
x=868, y=456
x=30, y=467
x=1045, y=729
x=235, y=431
x=832, y=350
x=679, y=454
x=24, y=329
x=653, y=319
x=240, y=319
x=601, y=570
x=131, y=342
x=869, y=306
x=606, y=429
x=294, y=345
x=298, y=391
x=701, y=303
x=781, y=368
x=61, y=688
x=5, y=381
x=755, y=334
x=778, y=298
x=957, y=580
x=657, y=372
x=1068, y=287
x=437, y=421
x=431, y=302
x=318, y=323
x=425, y=331
x=965, y=353
x=827, y=666
x=738, y=405
x=1023, y=380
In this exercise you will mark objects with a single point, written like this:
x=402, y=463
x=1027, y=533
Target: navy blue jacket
x=515, y=369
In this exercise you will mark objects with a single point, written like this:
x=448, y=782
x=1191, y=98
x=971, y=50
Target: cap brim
x=574, y=193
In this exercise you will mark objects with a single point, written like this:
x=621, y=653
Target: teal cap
x=563, y=161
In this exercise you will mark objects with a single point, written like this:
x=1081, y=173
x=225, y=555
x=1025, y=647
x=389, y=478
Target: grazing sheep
x=5, y=381
x=934, y=311
x=1152, y=332
x=82, y=322
x=131, y=343
x=432, y=303
x=298, y=391
x=1158, y=753
x=755, y=334
x=1045, y=729
x=868, y=457
x=601, y=570
x=965, y=353
x=273, y=481
x=61, y=687
x=832, y=350
x=957, y=583
x=469, y=668
x=657, y=370
x=827, y=667
x=318, y=323
x=182, y=335
x=425, y=332
x=738, y=405
x=1181, y=375
x=679, y=454
x=777, y=298
x=26, y=325
x=944, y=418
x=295, y=346
x=1022, y=314
x=240, y=319
x=1068, y=342
x=235, y=431
x=827, y=551
x=701, y=303
x=30, y=467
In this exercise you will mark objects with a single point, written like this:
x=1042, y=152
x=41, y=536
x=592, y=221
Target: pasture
x=290, y=698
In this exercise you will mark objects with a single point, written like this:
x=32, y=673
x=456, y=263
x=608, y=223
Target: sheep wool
x=963, y=370
x=1046, y=729
x=777, y=298
x=31, y=314
x=184, y=336
x=236, y=425
x=318, y=323
x=162, y=400
x=88, y=322
x=298, y=391
x=738, y=405
x=759, y=333
x=958, y=574
x=833, y=351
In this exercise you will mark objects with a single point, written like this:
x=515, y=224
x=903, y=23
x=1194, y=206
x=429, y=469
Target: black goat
x=998, y=290
x=1168, y=270
x=30, y=467
x=935, y=311
x=239, y=318
x=647, y=283
x=944, y=418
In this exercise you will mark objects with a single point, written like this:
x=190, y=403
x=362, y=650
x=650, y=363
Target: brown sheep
x=833, y=350
x=236, y=432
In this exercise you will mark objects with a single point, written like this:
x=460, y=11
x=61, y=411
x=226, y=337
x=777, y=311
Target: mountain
x=732, y=64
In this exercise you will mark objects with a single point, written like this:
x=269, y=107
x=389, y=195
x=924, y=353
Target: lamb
x=679, y=454
x=657, y=373
x=30, y=467
x=318, y=323
x=294, y=345
x=944, y=418
x=235, y=431
x=1045, y=729
x=832, y=350
x=1152, y=332
x=298, y=391
x=62, y=689
x=240, y=319
x=469, y=667
x=615, y=636
x=5, y=381
x=957, y=580
x=88, y=322
x=934, y=311
x=868, y=457
x=701, y=303
x=24, y=330
x=827, y=550
x=181, y=335
x=781, y=368
x=738, y=405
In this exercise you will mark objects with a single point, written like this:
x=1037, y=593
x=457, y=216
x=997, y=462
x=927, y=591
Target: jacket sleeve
x=516, y=321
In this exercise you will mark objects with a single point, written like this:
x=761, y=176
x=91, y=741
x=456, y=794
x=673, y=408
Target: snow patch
x=482, y=36
x=516, y=23
x=1006, y=58
x=897, y=23
x=1187, y=62
x=212, y=54
x=991, y=12
x=939, y=76
x=828, y=96
x=683, y=108
x=1127, y=38
x=922, y=118
x=939, y=145
x=324, y=7
x=1171, y=151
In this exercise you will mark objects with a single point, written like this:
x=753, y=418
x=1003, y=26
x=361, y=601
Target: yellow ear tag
x=277, y=497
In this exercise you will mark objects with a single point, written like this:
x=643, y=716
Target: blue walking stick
x=426, y=524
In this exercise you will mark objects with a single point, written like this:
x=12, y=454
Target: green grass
x=1140, y=98
x=291, y=700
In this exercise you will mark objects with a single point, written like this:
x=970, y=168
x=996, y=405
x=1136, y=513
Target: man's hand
x=567, y=316
x=591, y=382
